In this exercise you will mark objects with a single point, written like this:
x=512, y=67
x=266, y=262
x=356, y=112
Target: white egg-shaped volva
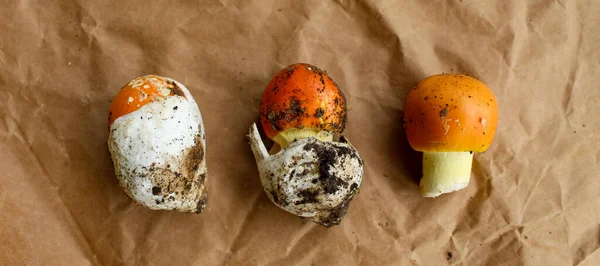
x=158, y=149
x=310, y=178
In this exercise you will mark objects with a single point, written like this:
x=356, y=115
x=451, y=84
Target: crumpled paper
x=534, y=195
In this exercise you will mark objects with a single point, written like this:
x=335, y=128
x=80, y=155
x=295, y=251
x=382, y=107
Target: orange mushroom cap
x=139, y=92
x=302, y=96
x=450, y=113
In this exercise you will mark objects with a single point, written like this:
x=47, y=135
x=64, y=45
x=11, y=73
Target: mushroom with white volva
x=157, y=145
x=448, y=117
x=310, y=172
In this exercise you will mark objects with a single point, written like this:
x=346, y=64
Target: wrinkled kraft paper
x=534, y=196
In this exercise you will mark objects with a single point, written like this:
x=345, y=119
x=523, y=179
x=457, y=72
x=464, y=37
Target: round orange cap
x=138, y=93
x=302, y=96
x=450, y=113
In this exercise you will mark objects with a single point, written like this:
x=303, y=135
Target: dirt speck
x=336, y=214
x=201, y=203
x=322, y=78
x=444, y=112
x=326, y=159
x=296, y=107
x=319, y=113
x=176, y=90
x=308, y=196
x=279, y=116
x=194, y=156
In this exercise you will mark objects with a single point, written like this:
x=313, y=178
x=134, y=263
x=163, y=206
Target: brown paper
x=534, y=196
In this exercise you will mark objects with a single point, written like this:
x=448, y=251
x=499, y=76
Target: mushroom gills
x=284, y=138
x=445, y=172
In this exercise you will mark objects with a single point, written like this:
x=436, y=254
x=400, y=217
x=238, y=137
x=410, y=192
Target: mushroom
x=448, y=117
x=309, y=172
x=157, y=144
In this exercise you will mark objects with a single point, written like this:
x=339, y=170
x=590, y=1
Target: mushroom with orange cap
x=157, y=144
x=309, y=173
x=302, y=101
x=448, y=117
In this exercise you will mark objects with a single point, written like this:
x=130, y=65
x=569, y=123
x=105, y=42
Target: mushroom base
x=310, y=178
x=445, y=172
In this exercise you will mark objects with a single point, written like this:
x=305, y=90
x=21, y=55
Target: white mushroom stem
x=445, y=172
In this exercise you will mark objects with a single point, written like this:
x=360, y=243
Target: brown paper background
x=534, y=196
